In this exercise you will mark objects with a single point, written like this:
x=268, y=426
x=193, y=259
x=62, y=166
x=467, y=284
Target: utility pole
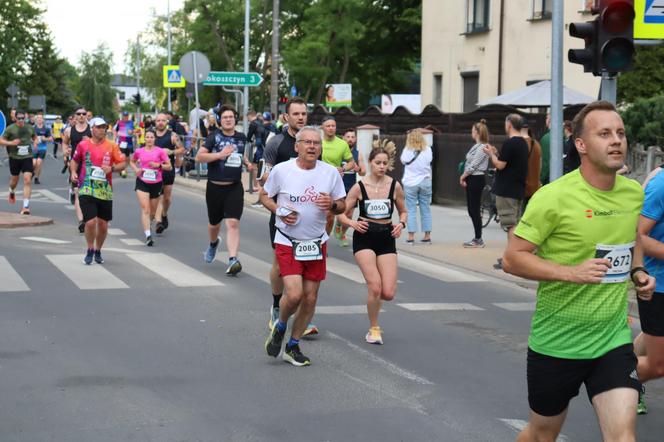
x=138, y=76
x=274, y=76
x=557, y=25
x=168, y=15
x=245, y=100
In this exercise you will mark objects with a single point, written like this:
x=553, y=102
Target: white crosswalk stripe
x=93, y=277
x=432, y=270
x=433, y=306
x=516, y=306
x=173, y=270
x=11, y=281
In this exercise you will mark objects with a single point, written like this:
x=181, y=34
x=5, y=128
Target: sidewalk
x=10, y=220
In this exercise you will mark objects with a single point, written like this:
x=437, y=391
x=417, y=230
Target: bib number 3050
x=307, y=250
x=620, y=256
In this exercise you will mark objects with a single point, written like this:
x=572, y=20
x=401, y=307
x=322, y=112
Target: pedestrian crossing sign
x=649, y=20
x=173, y=77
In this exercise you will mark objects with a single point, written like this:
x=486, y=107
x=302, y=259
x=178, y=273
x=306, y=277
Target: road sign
x=649, y=20
x=3, y=123
x=194, y=66
x=173, y=77
x=233, y=79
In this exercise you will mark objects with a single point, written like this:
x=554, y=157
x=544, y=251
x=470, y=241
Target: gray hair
x=300, y=133
x=515, y=120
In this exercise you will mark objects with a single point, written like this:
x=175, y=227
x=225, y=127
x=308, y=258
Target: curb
x=14, y=220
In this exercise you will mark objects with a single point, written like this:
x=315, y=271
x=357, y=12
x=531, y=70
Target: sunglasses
x=81, y=113
x=20, y=118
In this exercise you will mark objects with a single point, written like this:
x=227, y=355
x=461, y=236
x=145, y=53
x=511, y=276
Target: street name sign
x=250, y=79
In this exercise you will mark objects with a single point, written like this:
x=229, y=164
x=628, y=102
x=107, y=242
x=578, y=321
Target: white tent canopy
x=537, y=95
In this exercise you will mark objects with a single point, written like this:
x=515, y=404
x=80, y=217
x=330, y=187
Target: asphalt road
x=156, y=345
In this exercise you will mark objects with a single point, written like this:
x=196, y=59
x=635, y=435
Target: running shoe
x=642, y=408
x=234, y=267
x=211, y=251
x=25, y=211
x=37, y=180
x=257, y=205
x=98, y=258
x=11, y=198
x=81, y=226
x=474, y=244
x=89, y=256
x=123, y=174
x=274, y=317
x=164, y=221
x=72, y=196
x=425, y=241
x=310, y=330
x=148, y=241
x=337, y=232
x=159, y=228
x=294, y=356
x=274, y=341
x=374, y=336
x=344, y=241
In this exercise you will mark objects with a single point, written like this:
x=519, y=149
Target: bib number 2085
x=307, y=250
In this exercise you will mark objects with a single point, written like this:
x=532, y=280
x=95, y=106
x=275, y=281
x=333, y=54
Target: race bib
x=23, y=150
x=621, y=261
x=377, y=209
x=235, y=160
x=97, y=174
x=149, y=175
x=123, y=145
x=310, y=250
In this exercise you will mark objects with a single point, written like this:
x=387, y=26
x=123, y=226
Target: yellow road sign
x=649, y=19
x=173, y=77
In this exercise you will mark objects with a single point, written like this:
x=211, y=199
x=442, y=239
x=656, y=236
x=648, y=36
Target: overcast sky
x=81, y=26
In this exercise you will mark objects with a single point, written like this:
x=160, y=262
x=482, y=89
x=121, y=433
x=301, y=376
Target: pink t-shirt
x=143, y=157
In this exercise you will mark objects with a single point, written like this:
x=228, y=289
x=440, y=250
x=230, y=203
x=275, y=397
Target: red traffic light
x=617, y=16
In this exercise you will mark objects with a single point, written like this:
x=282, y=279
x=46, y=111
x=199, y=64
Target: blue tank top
x=349, y=178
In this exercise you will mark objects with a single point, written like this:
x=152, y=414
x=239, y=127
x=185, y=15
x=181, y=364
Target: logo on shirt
x=309, y=196
x=590, y=213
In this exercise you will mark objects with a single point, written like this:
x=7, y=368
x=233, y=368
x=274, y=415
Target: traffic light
x=588, y=55
x=615, y=35
x=136, y=99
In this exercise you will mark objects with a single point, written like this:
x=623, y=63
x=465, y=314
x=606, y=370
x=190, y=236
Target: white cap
x=97, y=121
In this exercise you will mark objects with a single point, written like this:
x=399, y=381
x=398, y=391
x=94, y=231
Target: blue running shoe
x=211, y=252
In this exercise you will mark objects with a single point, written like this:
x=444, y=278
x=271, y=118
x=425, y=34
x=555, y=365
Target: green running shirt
x=571, y=222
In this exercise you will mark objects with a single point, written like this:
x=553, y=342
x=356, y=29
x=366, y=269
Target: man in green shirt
x=336, y=152
x=19, y=139
x=545, y=143
x=583, y=230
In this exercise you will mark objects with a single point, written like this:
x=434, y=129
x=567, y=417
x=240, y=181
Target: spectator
x=545, y=143
x=571, y=159
x=416, y=158
x=534, y=165
x=473, y=179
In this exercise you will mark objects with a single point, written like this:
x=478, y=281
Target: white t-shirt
x=297, y=189
x=419, y=169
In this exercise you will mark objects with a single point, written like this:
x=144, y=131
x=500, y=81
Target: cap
x=125, y=113
x=97, y=121
x=267, y=116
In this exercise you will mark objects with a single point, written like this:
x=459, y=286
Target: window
x=587, y=5
x=542, y=9
x=438, y=90
x=471, y=86
x=121, y=95
x=477, y=16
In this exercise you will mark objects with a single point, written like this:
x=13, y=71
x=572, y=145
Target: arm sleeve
x=271, y=150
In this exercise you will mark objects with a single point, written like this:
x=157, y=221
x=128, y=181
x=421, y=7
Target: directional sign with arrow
x=250, y=79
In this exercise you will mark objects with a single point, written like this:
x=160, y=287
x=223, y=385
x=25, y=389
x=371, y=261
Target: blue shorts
x=39, y=154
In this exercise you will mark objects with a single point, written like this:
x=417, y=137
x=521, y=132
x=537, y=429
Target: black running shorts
x=154, y=189
x=95, y=208
x=17, y=166
x=224, y=201
x=651, y=314
x=168, y=177
x=378, y=238
x=553, y=382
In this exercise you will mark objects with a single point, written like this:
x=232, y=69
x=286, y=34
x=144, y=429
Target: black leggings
x=474, y=187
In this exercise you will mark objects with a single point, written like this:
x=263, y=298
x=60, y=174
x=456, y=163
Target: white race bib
x=123, y=144
x=23, y=150
x=235, y=160
x=620, y=256
x=149, y=175
x=310, y=250
x=97, y=174
x=377, y=209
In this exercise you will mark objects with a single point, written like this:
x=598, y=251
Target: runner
x=43, y=134
x=58, y=128
x=168, y=140
x=374, y=244
x=19, y=139
x=279, y=149
x=148, y=163
x=123, y=134
x=349, y=179
x=336, y=153
x=71, y=137
x=306, y=189
x=224, y=153
x=583, y=229
x=649, y=344
x=96, y=158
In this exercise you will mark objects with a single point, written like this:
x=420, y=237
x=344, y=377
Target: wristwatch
x=334, y=206
x=403, y=224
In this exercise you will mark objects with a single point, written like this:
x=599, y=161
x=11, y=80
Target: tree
x=647, y=77
x=94, y=89
x=644, y=121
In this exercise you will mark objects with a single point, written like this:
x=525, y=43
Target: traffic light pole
x=556, y=153
x=609, y=87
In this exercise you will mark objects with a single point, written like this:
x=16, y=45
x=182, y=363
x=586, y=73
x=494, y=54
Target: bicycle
x=488, y=209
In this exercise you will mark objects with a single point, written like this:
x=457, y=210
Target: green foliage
x=647, y=77
x=94, y=88
x=644, y=121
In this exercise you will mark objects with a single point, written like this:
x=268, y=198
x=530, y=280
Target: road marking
x=254, y=267
x=341, y=309
x=520, y=424
x=11, y=280
x=132, y=241
x=344, y=269
x=53, y=197
x=516, y=306
x=92, y=277
x=70, y=207
x=116, y=232
x=434, y=271
x=45, y=240
x=173, y=270
x=419, y=307
x=392, y=368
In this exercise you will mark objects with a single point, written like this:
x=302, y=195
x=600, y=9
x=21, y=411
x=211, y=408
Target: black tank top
x=76, y=137
x=165, y=141
x=376, y=209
